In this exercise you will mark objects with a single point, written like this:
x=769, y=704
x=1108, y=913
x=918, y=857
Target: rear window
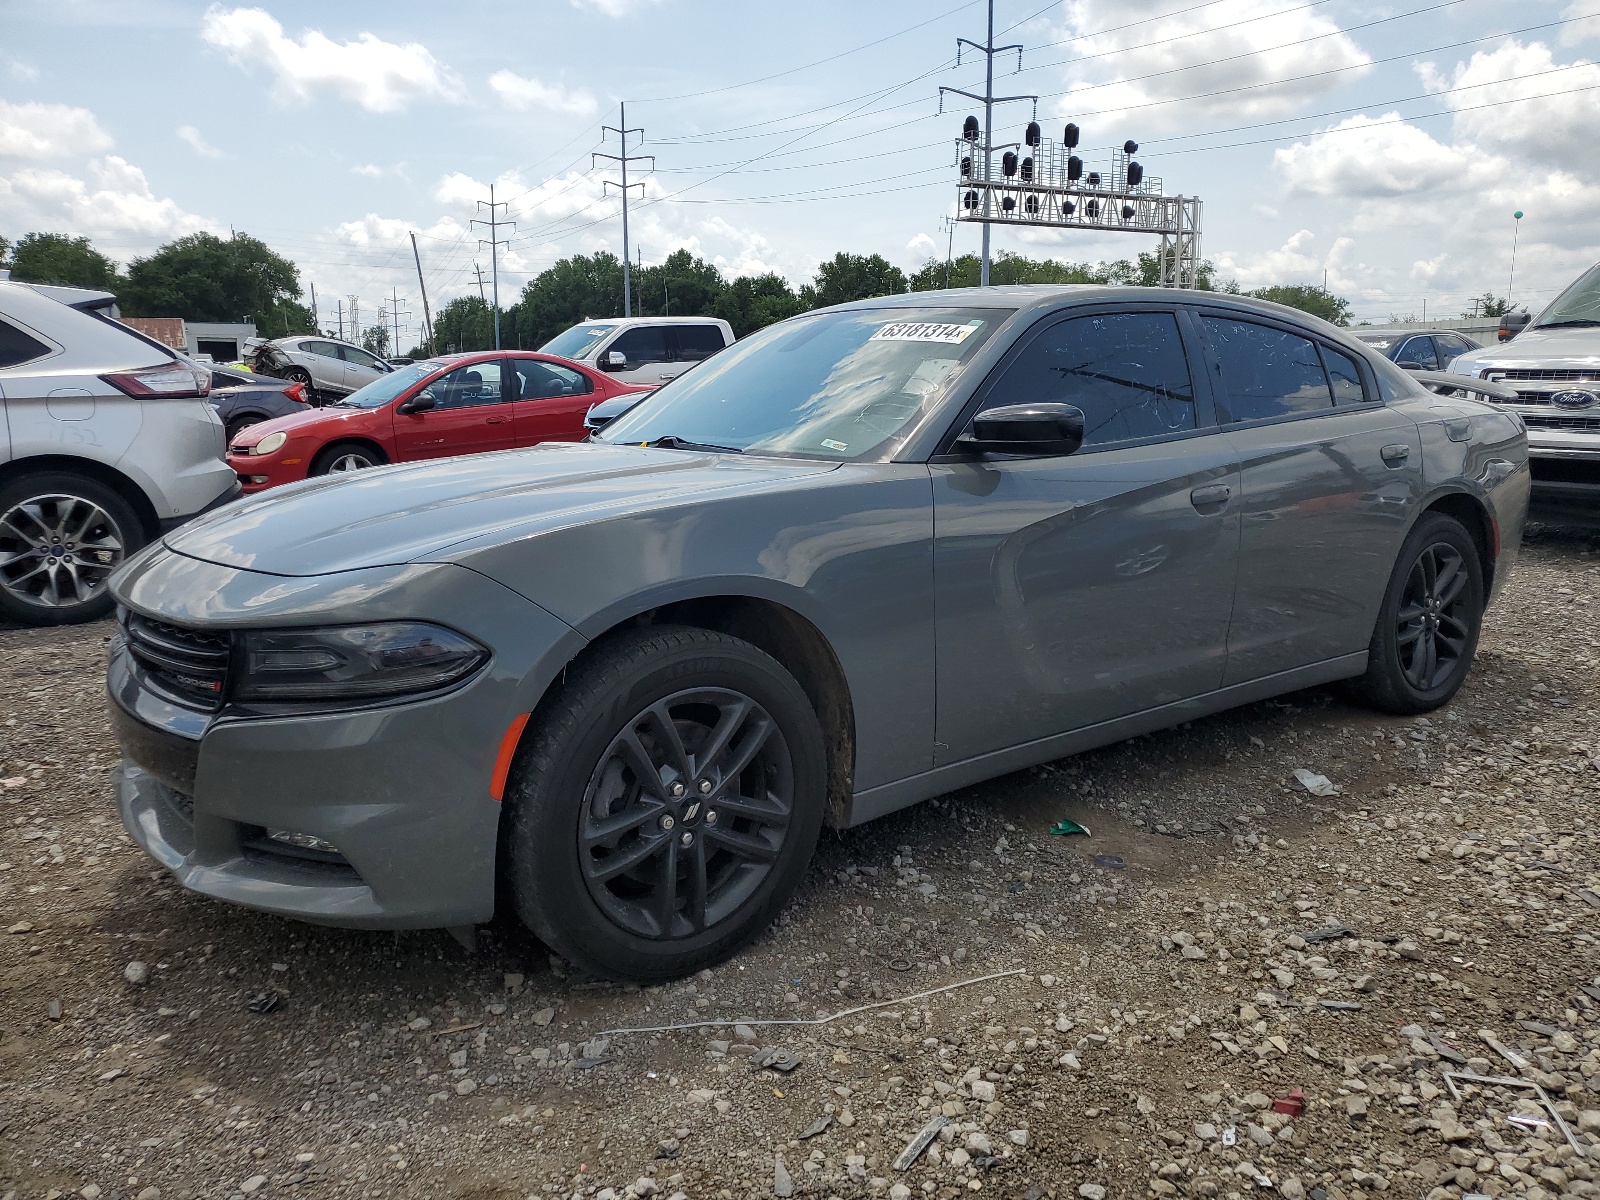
x=697, y=342
x=17, y=347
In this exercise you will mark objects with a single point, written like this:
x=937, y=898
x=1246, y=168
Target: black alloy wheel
x=1427, y=628
x=686, y=813
x=663, y=802
x=61, y=537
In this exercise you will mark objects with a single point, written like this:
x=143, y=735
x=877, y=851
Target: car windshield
x=386, y=387
x=1578, y=305
x=577, y=341
x=840, y=385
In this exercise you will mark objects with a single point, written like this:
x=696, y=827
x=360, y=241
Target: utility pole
x=494, y=243
x=394, y=315
x=624, y=159
x=427, y=317
x=478, y=271
x=315, y=323
x=988, y=100
x=339, y=310
x=950, y=248
x=1516, y=229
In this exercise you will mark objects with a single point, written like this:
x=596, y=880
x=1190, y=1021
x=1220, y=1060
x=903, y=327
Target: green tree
x=752, y=302
x=682, y=286
x=1317, y=301
x=376, y=340
x=575, y=289
x=1005, y=268
x=70, y=262
x=1490, y=305
x=466, y=323
x=206, y=278
x=847, y=277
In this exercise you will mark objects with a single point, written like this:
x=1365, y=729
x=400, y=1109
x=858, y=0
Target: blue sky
x=1385, y=145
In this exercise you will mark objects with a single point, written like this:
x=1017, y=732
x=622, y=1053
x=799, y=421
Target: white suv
x=107, y=440
x=642, y=350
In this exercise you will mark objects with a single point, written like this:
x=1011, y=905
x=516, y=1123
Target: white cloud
x=1582, y=23
x=41, y=131
x=191, y=137
x=21, y=71
x=1281, y=55
x=370, y=170
x=115, y=207
x=613, y=8
x=1365, y=156
x=922, y=245
x=380, y=76
x=520, y=93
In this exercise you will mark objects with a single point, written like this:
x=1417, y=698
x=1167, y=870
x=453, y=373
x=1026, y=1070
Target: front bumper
x=257, y=474
x=399, y=791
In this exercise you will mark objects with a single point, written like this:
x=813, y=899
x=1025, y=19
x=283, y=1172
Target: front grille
x=1547, y=374
x=1581, y=424
x=187, y=666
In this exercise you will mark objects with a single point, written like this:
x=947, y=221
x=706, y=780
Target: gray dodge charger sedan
x=858, y=559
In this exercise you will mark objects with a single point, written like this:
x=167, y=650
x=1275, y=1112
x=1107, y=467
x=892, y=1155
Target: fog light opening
x=302, y=841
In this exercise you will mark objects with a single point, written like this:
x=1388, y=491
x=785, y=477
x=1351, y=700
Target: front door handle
x=1396, y=455
x=494, y=421
x=1212, y=496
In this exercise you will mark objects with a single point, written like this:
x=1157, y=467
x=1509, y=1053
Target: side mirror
x=1037, y=429
x=613, y=360
x=1408, y=365
x=420, y=403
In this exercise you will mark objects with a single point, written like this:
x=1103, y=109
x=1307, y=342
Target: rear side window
x=17, y=347
x=645, y=344
x=1126, y=371
x=325, y=349
x=1266, y=372
x=545, y=381
x=1344, y=375
x=1419, y=353
x=696, y=342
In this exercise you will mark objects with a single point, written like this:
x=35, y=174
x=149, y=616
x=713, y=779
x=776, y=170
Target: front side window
x=1266, y=372
x=646, y=344
x=837, y=386
x=544, y=381
x=466, y=387
x=697, y=342
x=1344, y=375
x=360, y=358
x=17, y=347
x=1126, y=371
x=1418, y=352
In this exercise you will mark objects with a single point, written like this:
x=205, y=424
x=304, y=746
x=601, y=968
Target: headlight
x=355, y=662
x=273, y=441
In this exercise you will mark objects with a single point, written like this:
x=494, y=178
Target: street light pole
x=1516, y=228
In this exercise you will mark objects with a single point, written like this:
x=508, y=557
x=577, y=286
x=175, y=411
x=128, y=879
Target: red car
x=454, y=404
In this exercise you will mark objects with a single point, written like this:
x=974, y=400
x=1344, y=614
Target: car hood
x=1535, y=348
x=327, y=420
x=417, y=511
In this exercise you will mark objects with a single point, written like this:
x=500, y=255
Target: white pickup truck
x=1554, y=366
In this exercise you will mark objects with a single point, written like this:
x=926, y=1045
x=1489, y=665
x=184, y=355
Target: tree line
x=202, y=277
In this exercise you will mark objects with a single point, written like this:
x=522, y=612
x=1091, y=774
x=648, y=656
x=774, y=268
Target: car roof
x=611, y=322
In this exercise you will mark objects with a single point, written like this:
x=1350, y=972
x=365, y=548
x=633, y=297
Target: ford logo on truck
x=1574, y=398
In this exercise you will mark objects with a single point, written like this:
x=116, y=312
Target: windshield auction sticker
x=926, y=331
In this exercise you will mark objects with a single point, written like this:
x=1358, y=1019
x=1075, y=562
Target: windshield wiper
x=672, y=441
x=1575, y=322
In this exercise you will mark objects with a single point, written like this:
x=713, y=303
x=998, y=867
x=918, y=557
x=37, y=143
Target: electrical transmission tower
x=355, y=318
x=988, y=100
x=395, y=314
x=494, y=243
x=623, y=160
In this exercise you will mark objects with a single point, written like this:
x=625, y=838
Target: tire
x=346, y=456
x=586, y=850
x=239, y=424
x=301, y=375
x=61, y=537
x=1434, y=603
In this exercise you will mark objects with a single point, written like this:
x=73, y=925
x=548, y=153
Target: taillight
x=171, y=380
x=296, y=391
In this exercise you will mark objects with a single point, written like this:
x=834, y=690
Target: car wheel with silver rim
x=61, y=537
x=664, y=808
x=344, y=457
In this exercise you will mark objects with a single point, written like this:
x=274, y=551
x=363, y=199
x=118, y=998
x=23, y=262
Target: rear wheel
x=301, y=375
x=61, y=537
x=346, y=456
x=666, y=805
x=1427, y=631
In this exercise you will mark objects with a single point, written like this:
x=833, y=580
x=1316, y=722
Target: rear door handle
x=1396, y=455
x=1212, y=496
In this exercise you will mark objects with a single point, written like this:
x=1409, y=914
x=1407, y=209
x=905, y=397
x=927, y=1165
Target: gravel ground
x=1156, y=1019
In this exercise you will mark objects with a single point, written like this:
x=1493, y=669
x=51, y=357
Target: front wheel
x=1427, y=631
x=61, y=537
x=665, y=805
x=345, y=456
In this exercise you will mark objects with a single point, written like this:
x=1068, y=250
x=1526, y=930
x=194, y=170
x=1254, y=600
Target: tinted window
x=542, y=380
x=646, y=344
x=1419, y=352
x=17, y=347
x=1126, y=371
x=1344, y=375
x=696, y=342
x=326, y=349
x=467, y=387
x=1266, y=372
x=360, y=358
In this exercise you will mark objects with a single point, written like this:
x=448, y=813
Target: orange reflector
x=502, y=762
